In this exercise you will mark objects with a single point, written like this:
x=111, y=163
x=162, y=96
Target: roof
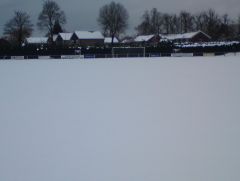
x=109, y=40
x=89, y=34
x=142, y=38
x=55, y=37
x=65, y=36
x=183, y=36
x=128, y=40
x=37, y=40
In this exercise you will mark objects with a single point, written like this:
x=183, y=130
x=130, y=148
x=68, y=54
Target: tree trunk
x=112, y=40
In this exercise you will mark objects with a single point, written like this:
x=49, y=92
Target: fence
x=93, y=56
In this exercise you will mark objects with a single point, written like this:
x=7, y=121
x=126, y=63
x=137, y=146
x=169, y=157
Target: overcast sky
x=82, y=14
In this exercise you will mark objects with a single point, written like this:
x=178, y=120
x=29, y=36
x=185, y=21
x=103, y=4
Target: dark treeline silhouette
x=219, y=27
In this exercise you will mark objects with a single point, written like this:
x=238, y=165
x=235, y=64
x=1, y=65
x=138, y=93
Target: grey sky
x=82, y=14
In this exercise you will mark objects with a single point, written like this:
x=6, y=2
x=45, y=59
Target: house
x=36, y=41
x=88, y=38
x=4, y=43
x=64, y=38
x=55, y=37
x=197, y=36
x=147, y=39
x=128, y=40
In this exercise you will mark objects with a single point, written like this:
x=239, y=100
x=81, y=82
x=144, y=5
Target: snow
x=170, y=37
x=183, y=35
x=109, y=40
x=89, y=35
x=208, y=44
x=143, y=38
x=65, y=36
x=171, y=119
x=55, y=37
x=37, y=40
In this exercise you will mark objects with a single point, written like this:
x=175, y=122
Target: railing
x=95, y=56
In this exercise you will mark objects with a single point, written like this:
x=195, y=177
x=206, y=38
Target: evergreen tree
x=57, y=28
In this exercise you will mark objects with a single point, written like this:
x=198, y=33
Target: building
x=88, y=38
x=197, y=36
x=36, y=41
x=55, y=37
x=63, y=39
x=147, y=40
x=4, y=43
x=128, y=41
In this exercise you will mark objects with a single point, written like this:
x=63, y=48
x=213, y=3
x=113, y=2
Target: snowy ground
x=169, y=119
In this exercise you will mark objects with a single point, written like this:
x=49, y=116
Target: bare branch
x=19, y=27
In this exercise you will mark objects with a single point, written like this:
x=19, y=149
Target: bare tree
x=219, y=27
x=113, y=19
x=151, y=23
x=199, y=21
x=175, y=24
x=156, y=21
x=19, y=27
x=225, y=30
x=166, y=23
x=212, y=22
x=186, y=21
x=144, y=28
x=238, y=25
x=50, y=14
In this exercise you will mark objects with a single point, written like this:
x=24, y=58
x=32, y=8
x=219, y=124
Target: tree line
x=219, y=27
x=50, y=19
x=113, y=20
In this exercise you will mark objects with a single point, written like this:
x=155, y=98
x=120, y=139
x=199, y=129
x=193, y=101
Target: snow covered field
x=168, y=119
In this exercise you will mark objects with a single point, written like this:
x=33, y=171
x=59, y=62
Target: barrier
x=182, y=54
x=219, y=53
x=154, y=55
x=5, y=57
x=232, y=54
x=72, y=56
x=31, y=57
x=91, y=56
x=208, y=54
x=197, y=54
x=17, y=57
x=43, y=57
x=55, y=56
x=165, y=54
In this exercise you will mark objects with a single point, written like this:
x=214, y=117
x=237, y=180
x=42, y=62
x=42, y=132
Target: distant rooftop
x=109, y=40
x=182, y=36
x=65, y=36
x=142, y=38
x=89, y=34
x=37, y=40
